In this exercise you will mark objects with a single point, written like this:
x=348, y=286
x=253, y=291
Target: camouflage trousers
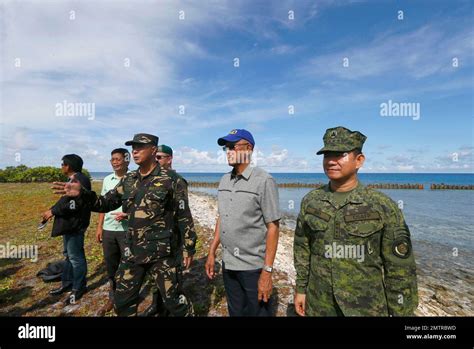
x=167, y=278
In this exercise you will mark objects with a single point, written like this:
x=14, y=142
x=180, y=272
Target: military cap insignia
x=233, y=132
x=333, y=134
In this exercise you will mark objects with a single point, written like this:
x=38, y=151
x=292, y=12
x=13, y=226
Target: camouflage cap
x=341, y=139
x=143, y=138
x=163, y=148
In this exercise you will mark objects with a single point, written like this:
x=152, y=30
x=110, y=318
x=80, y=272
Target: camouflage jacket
x=160, y=223
x=380, y=281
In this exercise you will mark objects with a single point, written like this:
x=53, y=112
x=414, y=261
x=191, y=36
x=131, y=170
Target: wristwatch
x=268, y=268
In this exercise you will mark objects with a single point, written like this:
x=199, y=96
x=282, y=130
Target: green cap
x=163, y=148
x=143, y=138
x=341, y=139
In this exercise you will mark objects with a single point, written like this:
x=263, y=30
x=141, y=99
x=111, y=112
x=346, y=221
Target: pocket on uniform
x=158, y=242
x=317, y=230
x=155, y=202
x=361, y=228
x=315, y=223
x=156, y=195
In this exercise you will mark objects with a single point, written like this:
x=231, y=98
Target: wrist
x=268, y=268
x=212, y=252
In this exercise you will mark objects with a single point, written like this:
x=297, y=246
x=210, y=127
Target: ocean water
x=420, y=178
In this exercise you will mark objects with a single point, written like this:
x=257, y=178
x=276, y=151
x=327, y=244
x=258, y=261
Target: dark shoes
x=74, y=296
x=60, y=290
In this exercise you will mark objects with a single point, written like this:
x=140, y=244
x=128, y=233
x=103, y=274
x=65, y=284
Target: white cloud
x=21, y=140
x=423, y=52
x=187, y=159
x=405, y=168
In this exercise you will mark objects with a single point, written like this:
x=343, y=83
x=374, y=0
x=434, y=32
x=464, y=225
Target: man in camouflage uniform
x=164, y=156
x=352, y=250
x=160, y=228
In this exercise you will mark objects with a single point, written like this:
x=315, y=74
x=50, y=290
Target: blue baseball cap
x=235, y=136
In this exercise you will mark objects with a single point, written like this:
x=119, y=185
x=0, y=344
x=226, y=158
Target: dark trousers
x=167, y=279
x=113, y=244
x=241, y=288
x=75, y=271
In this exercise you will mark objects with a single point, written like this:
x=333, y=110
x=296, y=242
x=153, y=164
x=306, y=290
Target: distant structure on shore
x=415, y=186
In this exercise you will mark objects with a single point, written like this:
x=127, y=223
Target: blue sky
x=57, y=51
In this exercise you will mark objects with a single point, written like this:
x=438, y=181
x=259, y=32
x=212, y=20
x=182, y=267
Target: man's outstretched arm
x=104, y=203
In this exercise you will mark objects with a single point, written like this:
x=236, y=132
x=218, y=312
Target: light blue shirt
x=110, y=223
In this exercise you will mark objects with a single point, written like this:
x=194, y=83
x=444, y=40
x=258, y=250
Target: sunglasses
x=232, y=146
x=159, y=157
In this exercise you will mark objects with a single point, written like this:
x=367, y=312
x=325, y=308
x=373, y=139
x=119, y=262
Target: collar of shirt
x=114, y=176
x=71, y=177
x=353, y=197
x=246, y=174
x=156, y=171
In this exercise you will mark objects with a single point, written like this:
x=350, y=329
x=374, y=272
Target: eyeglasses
x=159, y=157
x=232, y=146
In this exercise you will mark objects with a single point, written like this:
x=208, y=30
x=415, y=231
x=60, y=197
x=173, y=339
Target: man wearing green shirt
x=112, y=225
x=352, y=248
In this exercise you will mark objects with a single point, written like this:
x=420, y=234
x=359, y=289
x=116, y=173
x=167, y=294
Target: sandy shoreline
x=436, y=297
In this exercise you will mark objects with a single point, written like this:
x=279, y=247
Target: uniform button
x=223, y=232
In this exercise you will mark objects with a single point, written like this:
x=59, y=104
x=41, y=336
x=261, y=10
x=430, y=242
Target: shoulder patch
x=401, y=248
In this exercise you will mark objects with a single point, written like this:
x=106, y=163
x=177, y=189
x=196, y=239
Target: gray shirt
x=246, y=203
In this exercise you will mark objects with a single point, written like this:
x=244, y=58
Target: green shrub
x=22, y=173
